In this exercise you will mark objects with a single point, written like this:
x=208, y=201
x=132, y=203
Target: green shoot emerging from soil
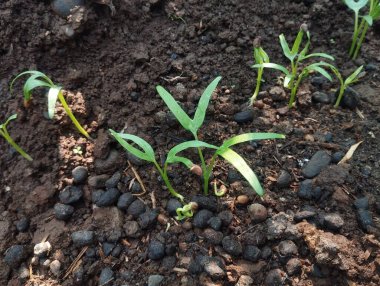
x=360, y=31
x=260, y=57
x=5, y=134
x=293, y=77
x=344, y=83
x=39, y=79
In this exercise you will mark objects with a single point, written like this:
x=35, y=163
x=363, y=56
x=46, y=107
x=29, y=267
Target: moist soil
x=109, y=65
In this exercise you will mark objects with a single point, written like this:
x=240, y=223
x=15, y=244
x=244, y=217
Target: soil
x=109, y=69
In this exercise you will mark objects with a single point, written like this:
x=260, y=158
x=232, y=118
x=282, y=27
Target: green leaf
x=288, y=78
x=31, y=84
x=318, y=68
x=368, y=19
x=12, y=117
x=297, y=42
x=238, y=162
x=172, y=155
x=285, y=48
x=200, y=113
x=249, y=137
x=272, y=66
x=175, y=108
x=355, y=5
x=304, y=51
x=353, y=77
x=320, y=55
x=52, y=100
x=147, y=155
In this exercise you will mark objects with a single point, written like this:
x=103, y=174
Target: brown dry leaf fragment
x=350, y=152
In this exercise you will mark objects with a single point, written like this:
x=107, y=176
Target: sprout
x=5, y=134
x=39, y=79
x=293, y=78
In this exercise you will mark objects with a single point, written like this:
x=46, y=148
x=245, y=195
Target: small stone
x=14, y=255
x=134, y=96
x=70, y=195
x=82, y=238
x=364, y=218
x=226, y=217
x=147, y=219
x=257, y=212
x=308, y=192
x=23, y=273
x=275, y=277
x=362, y=203
x=242, y=200
x=370, y=67
x=155, y=280
x=251, y=253
x=98, y=182
x=79, y=174
x=318, y=81
x=132, y=229
x=232, y=245
x=321, y=97
x=110, y=164
x=106, y=276
x=351, y=98
x=266, y=252
x=113, y=181
x=45, y=262
x=172, y=206
x=201, y=218
x=212, y=236
x=23, y=224
x=215, y=223
x=125, y=201
x=107, y=248
x=116, y=251
x=62, y=211
x=287, y=248
x=136, y=208
x=293, y=266
x=244, y=280
x=333, y=222
x=320, y=160
x=337, y=156
x=55, y=267
x=213, y=267
x=233, y=176
x=300, y=216
x=244, y=116
x=257, y=237
x=156, y=250
x=42, y=249
x=206, y=202
x=63, y=7
x=108, y=198
x=284, y=179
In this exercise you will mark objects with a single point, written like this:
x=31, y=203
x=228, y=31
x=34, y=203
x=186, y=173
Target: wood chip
x=350, y=153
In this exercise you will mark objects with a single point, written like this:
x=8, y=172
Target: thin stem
x=9, y=139
x=355, y=35
x=71, y=115
x=340, y=96
x=258, y=83
x=206, y=177
x=165, y=177
x=362, y=37
x=204, y=168
x=294, y=91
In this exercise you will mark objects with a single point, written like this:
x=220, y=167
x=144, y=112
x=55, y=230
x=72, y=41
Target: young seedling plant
x=5, y=134
x=360, y=31
x=260, y=57
x=344, y=83
x=145, y=150
x=39, y=79
x=293, y=77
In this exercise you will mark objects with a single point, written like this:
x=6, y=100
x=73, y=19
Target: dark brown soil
x=109, y=70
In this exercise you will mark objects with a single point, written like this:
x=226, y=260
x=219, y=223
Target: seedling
x=293, y=78
x=5, y=134
x=344, y=83
x=187, y=211
x=366, y=22
x=260, y=57
x=38, y=79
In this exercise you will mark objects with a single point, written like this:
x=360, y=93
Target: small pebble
x=242, y=200
x=156, y=250
x=251, y=253
x=284, y=179
x=108, y=198
x=132, y=229
x=226, y=217
x=82, y=238
x=113, y=181
x=155, y=280
x=232, y=245
x=79, y=174
x=320, y=160
x=308, y=192
x=14, y=255
x=206, y=202
x=300, y=216
x=136, y=208
x=333, y=222
x=257, y=212
x=337, y=156
x=42, y=249
x=215, y=223
x=63, y=7
x=293, y=266
x=107, y=248
x=275, y=277
x=364, y=218
x=362, y=203
x=55, y=267
x=70, y=195
x=106, y=276
x=23, y=224
x=62, y=211
x=266, y=252
x=125, y=201
x=212, y=236
x=244, y=280
x=320, y=97
x=147, y=219
x=244, y=116
x=201, y=218
x=287, y=248
x=172, y=206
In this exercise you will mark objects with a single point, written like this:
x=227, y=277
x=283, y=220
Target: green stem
x=340, y=96
x=258, y=83
x=355, y=35
x=71, y=115
x=204, y=168
x=9, y=139
x=362, y=37
x=207, y=174
x=294, y=91
x=164, y=175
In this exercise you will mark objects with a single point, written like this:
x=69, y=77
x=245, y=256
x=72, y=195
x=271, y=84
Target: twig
x=138, y=179
x=74, y=263
x=153, y=198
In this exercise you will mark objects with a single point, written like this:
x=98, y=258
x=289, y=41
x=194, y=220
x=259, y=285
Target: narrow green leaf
x=147, y=155
x=318, y=68
x=272, y=66
x=353, y=77
x=174, y=107
x=31, y=84
x=319, y=55
x=200, y=113
x=368, y=19
x=12, y=117
x=238, y=162
x=304, y=51
x=297, y=42
x=285, y=48
x=52, y=100
x=249, y=137
x=172, y=155
x=264, y=55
